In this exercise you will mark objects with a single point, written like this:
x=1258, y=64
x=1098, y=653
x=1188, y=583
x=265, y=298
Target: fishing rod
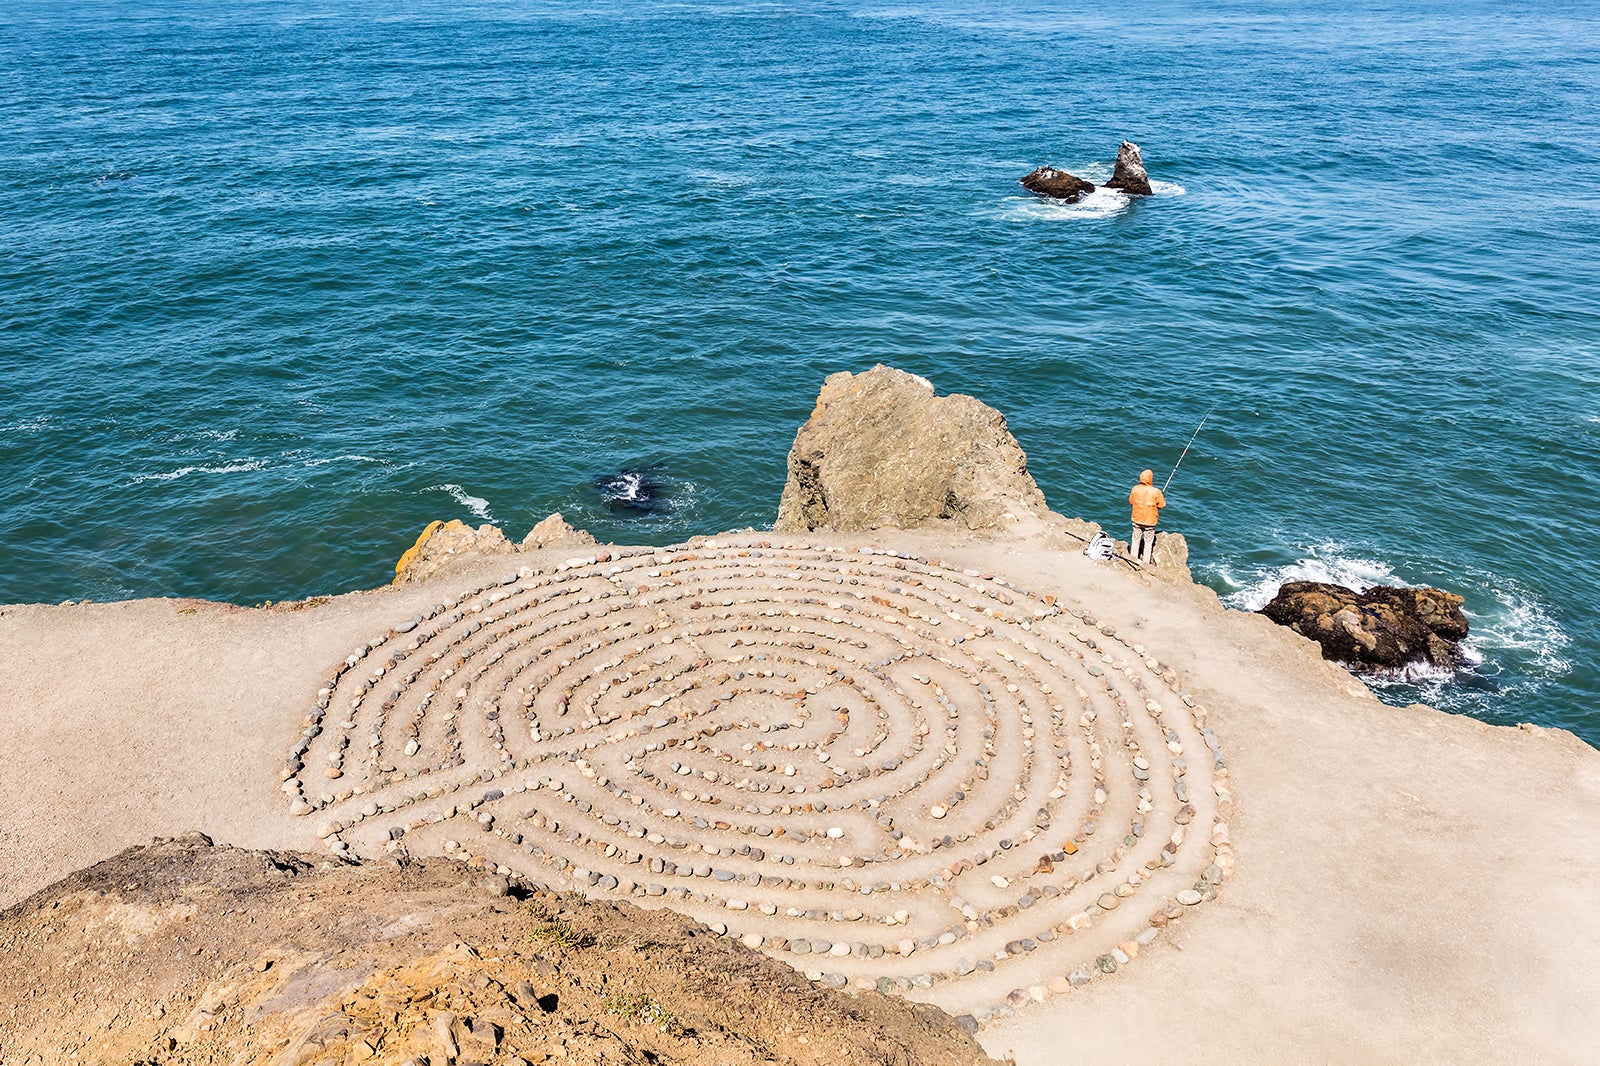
x=1186, y=447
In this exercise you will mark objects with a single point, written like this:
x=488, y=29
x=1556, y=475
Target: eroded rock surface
x=187, y=953
x=1383, y=628
x=443, y=545
x=555, y=530
x=1048, y=181
x=883, y=450
x=1129, y=175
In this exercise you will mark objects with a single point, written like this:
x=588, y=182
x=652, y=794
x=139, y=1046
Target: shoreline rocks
x=1381, y=629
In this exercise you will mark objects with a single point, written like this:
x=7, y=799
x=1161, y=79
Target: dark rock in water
x=1383, y=628
x=1129, y=176
x=633, y=490
x=1048, y=181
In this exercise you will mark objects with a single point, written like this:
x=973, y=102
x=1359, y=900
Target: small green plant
x=187, y=610
x=646, y=1009
x=561, y=935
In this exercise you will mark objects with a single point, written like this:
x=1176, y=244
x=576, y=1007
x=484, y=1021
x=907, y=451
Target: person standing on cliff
x=1147, y=501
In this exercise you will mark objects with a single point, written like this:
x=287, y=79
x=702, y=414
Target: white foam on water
x=185, y=471
x=26, y=425
x=628, y=487
x=1512, y=640
x=476, y=504
x=1325, y=562
x=1517, y=622
x=346, y=459
x=1102, y=203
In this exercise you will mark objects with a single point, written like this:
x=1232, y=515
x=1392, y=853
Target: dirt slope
x=185, y=954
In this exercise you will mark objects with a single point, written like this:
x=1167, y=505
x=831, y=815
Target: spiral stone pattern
x=888, y=772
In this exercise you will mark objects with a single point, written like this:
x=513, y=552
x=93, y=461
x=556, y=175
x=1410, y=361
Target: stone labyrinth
x=884, y=771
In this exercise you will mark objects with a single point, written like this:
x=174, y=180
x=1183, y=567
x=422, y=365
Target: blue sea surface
x=280, y=282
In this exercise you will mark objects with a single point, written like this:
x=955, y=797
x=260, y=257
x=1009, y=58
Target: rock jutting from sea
x=1384, y=628
x=1128, y=176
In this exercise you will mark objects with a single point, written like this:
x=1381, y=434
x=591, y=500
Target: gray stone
x=1129, y=175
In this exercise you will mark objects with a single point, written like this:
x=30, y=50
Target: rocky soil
x=183, y=954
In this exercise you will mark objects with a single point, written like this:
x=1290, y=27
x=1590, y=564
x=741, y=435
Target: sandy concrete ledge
x=1410, y=886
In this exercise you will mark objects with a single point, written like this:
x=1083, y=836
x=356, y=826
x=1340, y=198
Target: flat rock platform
x=1085, y=811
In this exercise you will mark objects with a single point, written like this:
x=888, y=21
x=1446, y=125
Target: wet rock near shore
x=1383, y=628
x=1057, y=184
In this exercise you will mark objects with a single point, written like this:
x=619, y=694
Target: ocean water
x=282, y=281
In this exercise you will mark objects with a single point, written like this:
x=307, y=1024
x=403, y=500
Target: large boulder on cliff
x=554, y=529
x=882, y=449
x=1048, y=181
x=444, y=546
x=1129, y=175
x=1383, y=628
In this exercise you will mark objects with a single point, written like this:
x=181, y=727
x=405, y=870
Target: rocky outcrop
x=1048, y=181
x=183, y=952
x=555, y=530
x=443, y=545
x=1383, y=628
x=1129, y=175
x=883, y=450
x=447, y=546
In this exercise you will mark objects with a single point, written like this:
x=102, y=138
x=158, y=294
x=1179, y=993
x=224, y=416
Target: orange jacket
x=1147, y=500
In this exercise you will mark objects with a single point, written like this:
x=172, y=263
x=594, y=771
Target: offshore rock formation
x=1130, y=176
x=1383, y=628
x=883, y=450
x=1058, y=184
x=183, y=952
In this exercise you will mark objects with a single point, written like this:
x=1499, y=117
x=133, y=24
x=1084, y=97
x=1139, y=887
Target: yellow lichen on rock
x=411, y=553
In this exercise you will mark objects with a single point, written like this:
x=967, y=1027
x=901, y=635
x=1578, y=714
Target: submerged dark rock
x=1129, y=175
x=1384, y=628
x=1048, y=181
x=634, y=490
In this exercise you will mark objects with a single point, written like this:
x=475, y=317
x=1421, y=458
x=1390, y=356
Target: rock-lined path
x=882, y=770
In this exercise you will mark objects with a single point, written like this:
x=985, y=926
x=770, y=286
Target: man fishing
x=1147, y=501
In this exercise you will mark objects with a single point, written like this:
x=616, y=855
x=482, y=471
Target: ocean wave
x=1326, y=562
x=1518, y=624
x=185, y=471
x=26, y=425
x=348, y=459
x=476, y=504
x=1102, y=203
